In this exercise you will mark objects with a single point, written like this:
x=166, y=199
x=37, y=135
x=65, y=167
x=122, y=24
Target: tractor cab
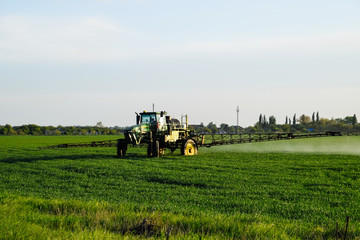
x=148, y=118
x=152, y=121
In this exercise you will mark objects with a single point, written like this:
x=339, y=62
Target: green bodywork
x=154, y=122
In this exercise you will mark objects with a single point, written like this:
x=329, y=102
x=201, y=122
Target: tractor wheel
x=121, y=148
x=189, y=148
x=150, y=149
x=156, y=149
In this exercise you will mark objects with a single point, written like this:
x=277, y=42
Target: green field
x=290, y=189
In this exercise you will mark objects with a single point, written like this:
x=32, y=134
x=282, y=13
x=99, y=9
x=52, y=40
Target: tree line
x=32, y=129
x=306, y=124
x=303, y=124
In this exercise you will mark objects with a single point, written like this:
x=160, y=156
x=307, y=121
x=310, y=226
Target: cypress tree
x=317, y=117
x=294, y=119
x=354, y=120
x=260, y=121
x=313, y=117
x=264, y=122
x=272, y=120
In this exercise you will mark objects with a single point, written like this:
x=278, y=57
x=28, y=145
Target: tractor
x=159, y=132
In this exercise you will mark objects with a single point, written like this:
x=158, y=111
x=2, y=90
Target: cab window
x=148, y=118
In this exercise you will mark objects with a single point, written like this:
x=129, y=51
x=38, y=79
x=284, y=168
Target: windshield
x=148, y=118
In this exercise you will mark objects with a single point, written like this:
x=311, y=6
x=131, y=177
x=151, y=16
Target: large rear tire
x=189, y=148
x=156, y=149
x=150, y=149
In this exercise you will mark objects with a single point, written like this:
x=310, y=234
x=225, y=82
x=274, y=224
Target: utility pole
x=237, y=122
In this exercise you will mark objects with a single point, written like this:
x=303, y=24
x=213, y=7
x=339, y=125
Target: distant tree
x=34, y=129
x=25, y=129
x=324, y=121
x=20, y=132
x=212, y=126
x=57, y=132
x=71, y=130
x=113, y=132
x=286, y=120
x=313, y=117
x=83, y=132
x=260, y=121
x=45, y=130
x=4, y=130
x=339, y=120
x=253, y=129
x=265, y=122
x=294, y=119
x=348, y=120
x=286, y=128
x=304, y=119
x=231, y=129
x=317, y=117
x=272, y=120
x=8, y=130
x=205, y=130
x=224, y=127
x=354, y=121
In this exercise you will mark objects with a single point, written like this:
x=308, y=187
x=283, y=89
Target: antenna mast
x=237, y=122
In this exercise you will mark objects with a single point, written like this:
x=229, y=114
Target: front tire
x=189, y=148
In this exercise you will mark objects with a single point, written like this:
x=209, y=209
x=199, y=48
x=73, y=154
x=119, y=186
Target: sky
x=79, y=62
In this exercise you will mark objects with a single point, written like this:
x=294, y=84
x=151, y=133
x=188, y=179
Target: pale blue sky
x=68, y=62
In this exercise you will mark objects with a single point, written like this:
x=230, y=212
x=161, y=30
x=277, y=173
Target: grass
x=224, y=192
